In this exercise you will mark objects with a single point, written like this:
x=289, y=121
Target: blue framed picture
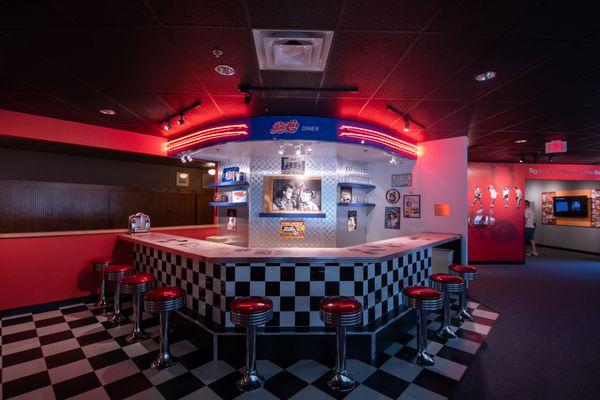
x=229, y=174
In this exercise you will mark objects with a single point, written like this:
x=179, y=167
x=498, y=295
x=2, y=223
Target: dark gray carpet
x=546, y=343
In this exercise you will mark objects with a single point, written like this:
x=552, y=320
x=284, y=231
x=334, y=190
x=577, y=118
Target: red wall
x=54, y=268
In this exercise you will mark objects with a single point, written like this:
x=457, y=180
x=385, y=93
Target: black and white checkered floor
x=70, y=353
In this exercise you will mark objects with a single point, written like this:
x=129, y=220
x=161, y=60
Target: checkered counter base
x=295, y=288
x=72, y=353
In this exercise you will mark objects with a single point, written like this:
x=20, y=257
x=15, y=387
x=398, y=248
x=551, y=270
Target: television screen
x=571, y=206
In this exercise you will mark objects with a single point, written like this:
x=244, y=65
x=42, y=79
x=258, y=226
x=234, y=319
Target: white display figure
x=518, y=196
x=477, y=194
x=505, y=194
x=493, y=195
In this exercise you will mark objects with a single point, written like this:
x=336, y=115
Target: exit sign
x=556, y=146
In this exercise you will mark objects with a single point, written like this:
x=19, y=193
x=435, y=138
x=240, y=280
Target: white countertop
x=368, y=252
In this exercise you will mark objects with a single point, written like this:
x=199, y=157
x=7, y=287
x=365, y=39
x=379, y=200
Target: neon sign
x=207, y=135
x=279, y=127
x=369, y=135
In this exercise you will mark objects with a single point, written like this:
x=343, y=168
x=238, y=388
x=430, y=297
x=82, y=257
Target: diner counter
x=378, y=251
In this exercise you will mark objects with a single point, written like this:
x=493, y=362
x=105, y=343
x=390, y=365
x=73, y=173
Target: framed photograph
x=441, y=210
x=292, y=195
x=183, y=179
x=412, y=206
x=291, y=229
x=292, y=166
x=392, y=218
x=352, y=221
x=345, y=194
x=232, y=220
x=392, y=196
x=401, y=180
x=229, y=174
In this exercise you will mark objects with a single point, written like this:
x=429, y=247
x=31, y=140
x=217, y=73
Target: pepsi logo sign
x=280, y=127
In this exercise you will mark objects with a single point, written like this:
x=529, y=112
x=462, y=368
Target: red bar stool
x=137, y=285
x=447, y=284
x=98, y=265
x=115, y=273
x=467, y=273
x=422, y=299
x=163, y=300
x=250, y=312
x=340, y=312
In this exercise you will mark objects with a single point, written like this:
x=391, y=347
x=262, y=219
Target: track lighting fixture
x=247, y=98
x=298, y=150
x=281, y=150
x=167, y=126
x=180, y=121
x=189, y=157
x=166, y=123
x=405, y=118
x=183, y=159
x=212, y=171
x=522, y=159
x=406, y=124
x=393, y=160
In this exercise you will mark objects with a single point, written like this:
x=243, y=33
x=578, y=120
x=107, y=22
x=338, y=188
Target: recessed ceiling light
x=225, y=70
x=486, y=76
x=521, y=141
x=108, y=111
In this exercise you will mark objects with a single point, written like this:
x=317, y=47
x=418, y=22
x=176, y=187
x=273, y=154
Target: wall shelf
x=292, y=215
x=226, y=204
x=227, y=184
x=356, y=185
x=356, y=205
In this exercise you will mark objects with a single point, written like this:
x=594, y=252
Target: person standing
x=530, y=228
x=505, y=195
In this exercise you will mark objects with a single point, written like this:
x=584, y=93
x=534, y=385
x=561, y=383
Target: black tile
x=435, y=382
x=284, y=385
x=17, y=321
x=287, y=303
x=458, y=356
x=49, y=321
x=302, y=288
x=109, y=358
x=346, y=273
x=93, y=338
x=225, y=387
x=25, y=384
x=287, y=273
x=483, y=321
x=56, y=337
x=196, y=358
x=387, y=384
x=127, y=386
x=66, y=357
x=73, y=310
x=470, y=335
x=21, y=357
x=143, y=361
x=381, y=359
x=75, y=386
x=179, y=386
x=17, y=337
x=82, y=322
x=406, y=353
x=257, y=273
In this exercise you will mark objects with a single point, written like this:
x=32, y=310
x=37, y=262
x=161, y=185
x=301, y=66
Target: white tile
x=45, y=393
x=59, y=347
x=148, y=394
x=6, y=319
x=401, y=369
x=68, y=371
x=95, y=394
x=308, y=370
x=99, y=348
x=204, y=393
x=472, y=304
x=448, y=368
x=393, y=349
x=212, y=371
x=47, y=315
x=311, y=393
x=139, y=348
x=9, y=330
x=21, y=345
x=159, y=376
x=50, y=329
x=182, y=348
x=120, y=330
x=78, y=315
x=117, y=371
x=88, y=329
x=266, y=368
x=415, y=392
x=432, y=346
x=364, y=392
x=464, y=345
x=261, y=394
x=475, y=327
x=23, y=369
x=359, y=370
x=485, y=314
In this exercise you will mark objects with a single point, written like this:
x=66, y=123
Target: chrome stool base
x=463, y=314
x=250, y=381
x=425, y=359
x=445, y=333
x=115, y=318
x=101, y=303
x=164, y=360
x=137, y=336
x=341, y=381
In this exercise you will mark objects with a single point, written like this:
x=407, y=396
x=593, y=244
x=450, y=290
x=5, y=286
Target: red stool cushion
x=164, y=293
x=119, y=268
x=251, y=305
x=340, y=305
x=462, y=268
x=103, y=260
x=137, y=279
x=422, y=292
x=446, y=278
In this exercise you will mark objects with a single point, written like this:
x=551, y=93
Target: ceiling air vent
x=292, y=50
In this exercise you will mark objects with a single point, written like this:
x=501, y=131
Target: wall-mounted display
x=232, y=220
x=518, y=197
x=412, y=206
x=493, y=195
x=292, y=165
x=352, y=221
x=291, y=195
x=506, y=195
x=392, y=218
x=345, y=194
x=392, y=196
x=291, y=229
x=595, y=206
x=401, y=180
x=548, y=217
x=230, y=174
x=183, y=179
x=220, y=197
x=239, y=196
x=441, y=210
x=477, y=197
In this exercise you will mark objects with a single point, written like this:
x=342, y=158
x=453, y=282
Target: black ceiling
x=148, y=58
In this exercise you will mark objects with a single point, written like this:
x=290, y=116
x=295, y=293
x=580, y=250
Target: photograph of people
x=294, y=194
x=352, y=224
x=285, y=200
x=505, y=194
x=518, y=196
x=493, y=195
x=477, y=194
x=530, y=229
x=306, y=200
x=392, y=217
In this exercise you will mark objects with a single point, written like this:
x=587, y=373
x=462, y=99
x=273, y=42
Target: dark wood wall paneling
x=27, y=206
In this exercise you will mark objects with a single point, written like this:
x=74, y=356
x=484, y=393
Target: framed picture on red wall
x=412, y=206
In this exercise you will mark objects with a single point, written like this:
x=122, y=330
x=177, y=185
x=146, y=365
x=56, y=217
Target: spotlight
x=189, y=157
x=183, y=159
x=406, y=124
x=180, y=121
x=522, y=159
x=281, y=150
x=212, y=171
x=485, y=76
x=298, y=150
x=362, y=142
x=393, y=160
x=309, y=150
x=550, y=158
x=247, y=98
x=167, y=126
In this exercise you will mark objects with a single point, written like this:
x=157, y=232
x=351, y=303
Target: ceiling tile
x=386, y=15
